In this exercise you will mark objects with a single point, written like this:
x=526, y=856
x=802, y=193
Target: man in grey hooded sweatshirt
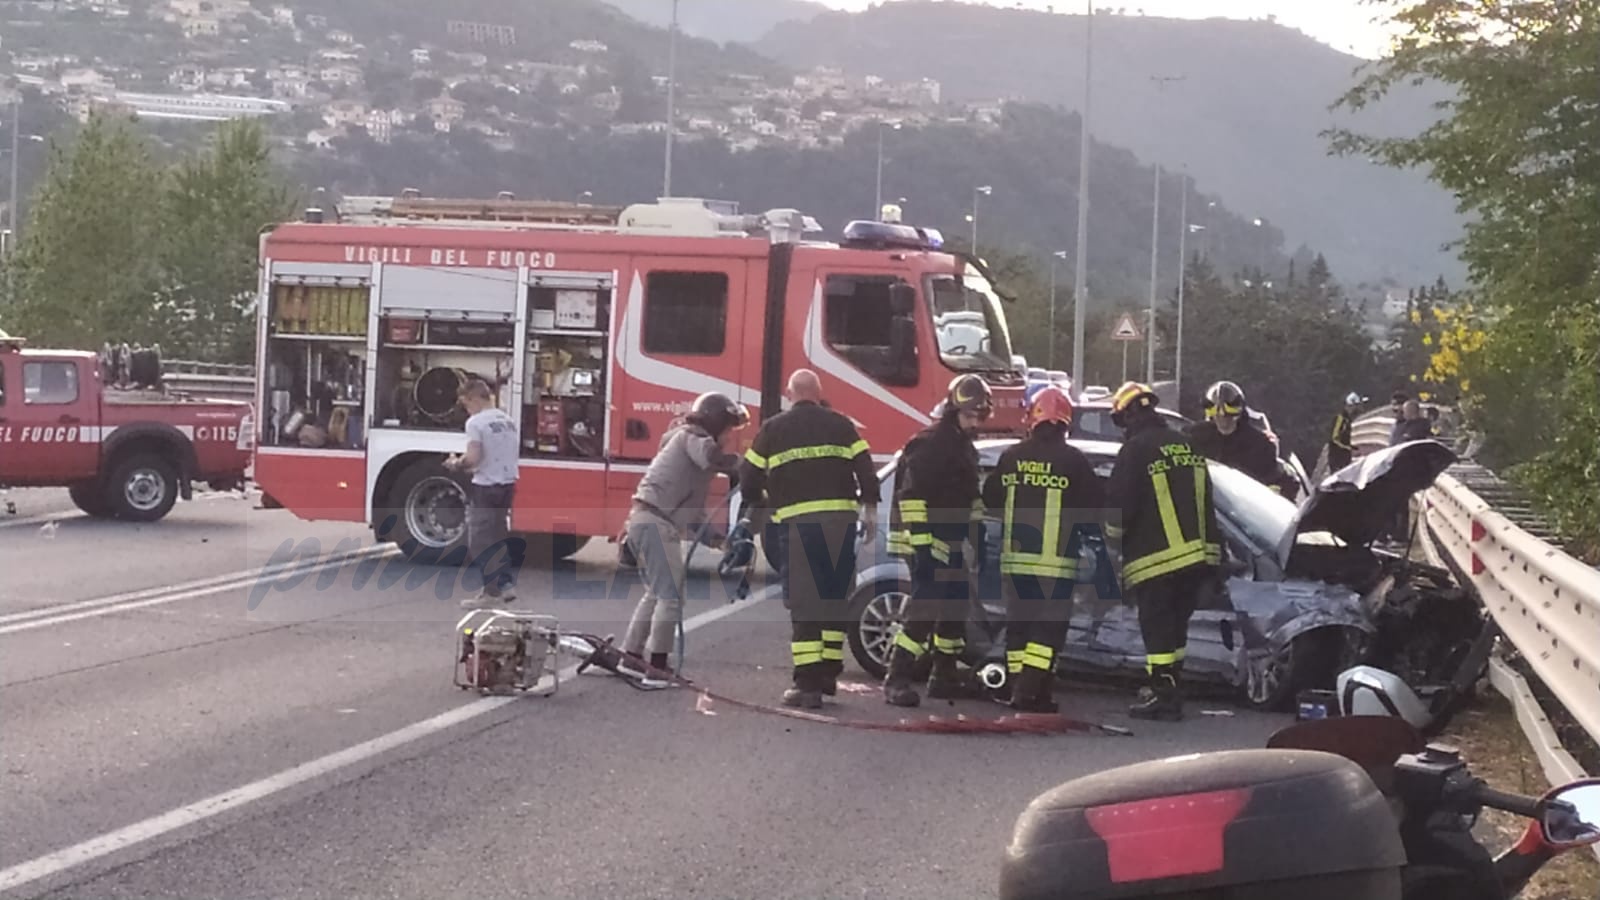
x=671, y=499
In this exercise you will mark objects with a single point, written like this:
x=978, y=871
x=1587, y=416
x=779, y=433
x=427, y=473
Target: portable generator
x=503, y=652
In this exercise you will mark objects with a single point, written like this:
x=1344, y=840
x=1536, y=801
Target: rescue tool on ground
x=597, y=326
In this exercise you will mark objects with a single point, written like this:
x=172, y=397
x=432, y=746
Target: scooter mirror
x=1572, y=815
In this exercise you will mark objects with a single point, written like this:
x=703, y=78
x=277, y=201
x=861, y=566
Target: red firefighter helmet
x=1050, y=404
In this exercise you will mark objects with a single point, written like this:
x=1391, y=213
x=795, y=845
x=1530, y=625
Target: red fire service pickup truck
x=598, y=327
x=105, y=430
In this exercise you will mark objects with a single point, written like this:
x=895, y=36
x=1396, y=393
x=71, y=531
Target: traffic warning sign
x=1126, y=329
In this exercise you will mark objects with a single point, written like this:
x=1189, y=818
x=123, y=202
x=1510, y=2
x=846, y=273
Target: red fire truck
x=598, y=326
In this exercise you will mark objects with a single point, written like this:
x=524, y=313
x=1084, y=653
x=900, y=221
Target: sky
x=1342, y=24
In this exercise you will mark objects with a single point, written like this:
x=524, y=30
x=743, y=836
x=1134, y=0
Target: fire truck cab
x=597, y=327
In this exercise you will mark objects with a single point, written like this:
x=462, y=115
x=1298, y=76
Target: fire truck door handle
x=70, y=420
x=636, y=430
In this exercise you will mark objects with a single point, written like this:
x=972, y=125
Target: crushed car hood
x=1355, y=503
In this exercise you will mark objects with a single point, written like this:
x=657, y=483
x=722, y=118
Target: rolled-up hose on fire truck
x=436, y=392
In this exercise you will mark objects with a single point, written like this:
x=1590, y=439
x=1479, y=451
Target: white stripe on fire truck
x=816, y=349
x=631, y=357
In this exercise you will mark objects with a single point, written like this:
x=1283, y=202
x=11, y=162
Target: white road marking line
x=229, y=578
x=157, y=826
x=56, y=615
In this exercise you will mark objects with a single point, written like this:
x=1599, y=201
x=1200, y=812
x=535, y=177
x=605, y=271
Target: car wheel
x=878, y=612
x=142, y=488
x=1308, y=661
x=1270, y=680
x=427, y=515
x=90, y=496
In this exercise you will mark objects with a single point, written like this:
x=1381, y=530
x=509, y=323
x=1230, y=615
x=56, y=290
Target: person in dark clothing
x=1397, y=408
x=1221, y=438
x=936, y=504
x=1041, y=488
x=1340, y=448
x=1414, y=426
x=1170, y=542
x=810, y=468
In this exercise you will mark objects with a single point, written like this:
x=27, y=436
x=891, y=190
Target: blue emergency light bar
x=887, y=235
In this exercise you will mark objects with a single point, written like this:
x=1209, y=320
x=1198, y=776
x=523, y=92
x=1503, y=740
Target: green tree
x=213, y=211
x=87, y=268
x=1519, y=146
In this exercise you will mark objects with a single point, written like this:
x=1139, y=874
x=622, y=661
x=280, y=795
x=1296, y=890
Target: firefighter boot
x=897, y=685
x=1160, y=701
x=1033, y=692
x=945, y=682
x=829, y=681
x=806, y=693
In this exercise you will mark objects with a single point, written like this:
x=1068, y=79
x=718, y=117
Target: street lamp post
x=877, y=208
x=1261, y=250
x=985, y=191
x=1055, y=268
x=1183, y=276
x=11, y=210
x=672, y=97
x=1080, y=287
x=1155, y=271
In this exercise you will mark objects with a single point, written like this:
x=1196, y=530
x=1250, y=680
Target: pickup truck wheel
x=142, y=488
x=427, y=515
x=90, y=496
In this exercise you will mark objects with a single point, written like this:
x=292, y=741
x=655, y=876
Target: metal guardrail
x=1546, y=602
x=209, y=381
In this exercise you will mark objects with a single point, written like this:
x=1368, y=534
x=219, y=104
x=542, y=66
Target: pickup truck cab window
x=49, y=383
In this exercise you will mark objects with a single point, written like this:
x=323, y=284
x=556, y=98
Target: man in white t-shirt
x=493, y=448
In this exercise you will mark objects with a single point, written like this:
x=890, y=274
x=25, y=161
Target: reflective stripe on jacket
x=1163, y=489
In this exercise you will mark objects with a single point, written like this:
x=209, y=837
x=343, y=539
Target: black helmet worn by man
x=1168, y=537
x=1220, y=437
x=717, y=413
x=936, y=503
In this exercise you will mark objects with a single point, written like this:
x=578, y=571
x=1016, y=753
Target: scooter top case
x=1241, y=825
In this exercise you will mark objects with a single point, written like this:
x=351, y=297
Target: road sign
x=1126, y=329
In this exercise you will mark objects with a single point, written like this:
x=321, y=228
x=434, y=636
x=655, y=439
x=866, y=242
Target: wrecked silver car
x=1305, y=596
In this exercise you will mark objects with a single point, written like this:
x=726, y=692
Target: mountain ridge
x=1246, y=120
x=723, y=21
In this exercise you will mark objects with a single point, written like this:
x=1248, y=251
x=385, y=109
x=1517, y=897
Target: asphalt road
x=261, y=737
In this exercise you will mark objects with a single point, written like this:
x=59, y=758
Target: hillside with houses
x=321, y=78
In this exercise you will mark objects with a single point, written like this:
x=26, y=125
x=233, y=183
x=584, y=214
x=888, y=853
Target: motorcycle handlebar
x=1515, y=804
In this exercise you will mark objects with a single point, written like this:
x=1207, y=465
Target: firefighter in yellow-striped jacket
x=1169, y=538
x=936, y=513
x=812, y=472
x=1040, y=490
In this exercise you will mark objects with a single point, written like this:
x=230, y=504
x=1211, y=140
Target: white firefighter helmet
x=1370, y=691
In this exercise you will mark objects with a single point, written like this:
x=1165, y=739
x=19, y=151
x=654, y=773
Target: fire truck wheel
x=142, y=488
x=90, y=496
x=427, y=515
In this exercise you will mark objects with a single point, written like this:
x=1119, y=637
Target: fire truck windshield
x=970, y=325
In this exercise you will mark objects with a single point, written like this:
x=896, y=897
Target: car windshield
x=1263, y=515
x=970, y=325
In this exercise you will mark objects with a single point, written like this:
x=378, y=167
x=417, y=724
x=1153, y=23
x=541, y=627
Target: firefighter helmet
x=1050, y=404
x=1224, y=398
x=717, y=413
x=1131, y=396
x=970, y=394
